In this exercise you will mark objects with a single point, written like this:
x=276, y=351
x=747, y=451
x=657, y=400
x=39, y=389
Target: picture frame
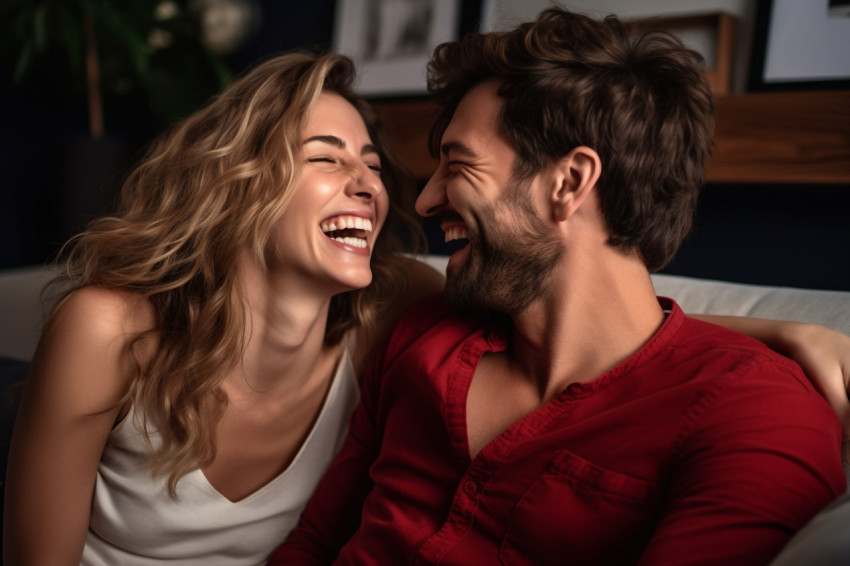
x=711, y=34
x=391, y=41
x=800, y=45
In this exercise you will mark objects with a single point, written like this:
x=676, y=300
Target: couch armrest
x=22, y=308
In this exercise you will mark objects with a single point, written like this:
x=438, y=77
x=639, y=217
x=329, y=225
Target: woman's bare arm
x=79, y=374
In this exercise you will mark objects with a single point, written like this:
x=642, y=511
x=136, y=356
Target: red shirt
x=704, y=447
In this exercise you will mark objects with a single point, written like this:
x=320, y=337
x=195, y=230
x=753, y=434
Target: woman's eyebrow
x=340, y=143
x=331, y=140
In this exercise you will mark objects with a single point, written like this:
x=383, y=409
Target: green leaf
x=127, y=36
x=70, y=26
x=24, y=62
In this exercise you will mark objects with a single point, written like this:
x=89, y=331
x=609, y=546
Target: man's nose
x=433, y=197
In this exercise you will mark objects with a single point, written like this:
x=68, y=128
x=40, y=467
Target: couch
x=22, y=313
x=825, y=541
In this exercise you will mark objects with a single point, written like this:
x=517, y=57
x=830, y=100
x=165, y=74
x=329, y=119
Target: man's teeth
x=457, y=233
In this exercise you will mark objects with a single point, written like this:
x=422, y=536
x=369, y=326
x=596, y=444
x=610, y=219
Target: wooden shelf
x=773, y=137
x=407, y=124
x=782, y=137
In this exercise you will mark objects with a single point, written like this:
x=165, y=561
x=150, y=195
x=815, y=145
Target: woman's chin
x=354, y=279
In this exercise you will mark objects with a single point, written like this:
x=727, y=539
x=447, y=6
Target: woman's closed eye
x=376, y=167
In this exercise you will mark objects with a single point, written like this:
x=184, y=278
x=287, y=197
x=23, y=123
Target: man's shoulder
x=434, y=320
x=745, y=354
x=739, y=377
x=422, y=314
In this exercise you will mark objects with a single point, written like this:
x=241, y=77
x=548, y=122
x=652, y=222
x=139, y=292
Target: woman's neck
x=285, y=321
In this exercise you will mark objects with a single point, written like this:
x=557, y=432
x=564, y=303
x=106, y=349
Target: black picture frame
x=765, y=12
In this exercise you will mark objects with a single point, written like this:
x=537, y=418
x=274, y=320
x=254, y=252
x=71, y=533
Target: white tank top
x=134, y=522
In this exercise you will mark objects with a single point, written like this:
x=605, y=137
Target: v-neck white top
x=134, y=522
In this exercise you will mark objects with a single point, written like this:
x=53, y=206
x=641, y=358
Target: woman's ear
x=575, y=178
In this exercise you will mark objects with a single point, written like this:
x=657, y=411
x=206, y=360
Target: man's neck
x=595, y=314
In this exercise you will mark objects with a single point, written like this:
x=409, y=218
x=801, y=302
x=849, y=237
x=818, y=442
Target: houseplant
x=85, y=85
x=100, y=49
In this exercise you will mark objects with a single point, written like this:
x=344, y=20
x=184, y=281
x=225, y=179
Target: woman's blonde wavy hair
x=205, y=192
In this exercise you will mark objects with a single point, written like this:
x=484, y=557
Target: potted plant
x=112, y=48
x=101, y=78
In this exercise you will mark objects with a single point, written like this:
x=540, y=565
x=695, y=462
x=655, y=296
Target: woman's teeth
x=346, y=222
x=348, y=230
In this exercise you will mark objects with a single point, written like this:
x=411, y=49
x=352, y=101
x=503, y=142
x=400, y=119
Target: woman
x=225, y=311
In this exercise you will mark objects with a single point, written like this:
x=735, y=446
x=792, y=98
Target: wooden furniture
x=782, y=137
x=772, y=137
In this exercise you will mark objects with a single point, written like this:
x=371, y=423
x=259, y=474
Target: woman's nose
x=365, y=183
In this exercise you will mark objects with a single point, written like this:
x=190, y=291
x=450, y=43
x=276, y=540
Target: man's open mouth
x=456, y=233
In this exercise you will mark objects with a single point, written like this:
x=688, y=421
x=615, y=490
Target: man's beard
x=506, y=269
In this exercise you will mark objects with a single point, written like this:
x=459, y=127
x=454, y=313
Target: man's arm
x=761, y=459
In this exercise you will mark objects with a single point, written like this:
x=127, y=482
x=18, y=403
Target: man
x=564, y=414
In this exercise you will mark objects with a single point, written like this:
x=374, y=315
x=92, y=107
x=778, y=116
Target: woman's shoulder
x=87, y=347
x=420, y=280
x=103, y=313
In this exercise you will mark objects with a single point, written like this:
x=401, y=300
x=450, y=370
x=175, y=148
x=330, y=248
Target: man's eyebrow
x=340, y=143
x=457, y=147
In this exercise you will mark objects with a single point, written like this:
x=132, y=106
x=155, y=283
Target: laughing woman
x=195, y=379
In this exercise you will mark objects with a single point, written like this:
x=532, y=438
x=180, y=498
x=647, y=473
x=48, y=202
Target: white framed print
x=801, y=44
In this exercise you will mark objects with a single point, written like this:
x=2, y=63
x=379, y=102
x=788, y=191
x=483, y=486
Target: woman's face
x=327, y=233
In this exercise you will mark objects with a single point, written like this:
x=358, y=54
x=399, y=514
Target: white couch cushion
x=21, y=314
x=828, y=308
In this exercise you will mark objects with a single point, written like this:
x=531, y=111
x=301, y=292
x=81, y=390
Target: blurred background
x=86, y=84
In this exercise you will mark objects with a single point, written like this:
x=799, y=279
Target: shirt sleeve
x=761, y=457
x=333, y=513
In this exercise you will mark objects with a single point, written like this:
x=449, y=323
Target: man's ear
x=575, y=177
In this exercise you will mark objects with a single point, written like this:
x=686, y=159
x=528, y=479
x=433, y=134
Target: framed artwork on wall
x=392, y=40
x=801, y=45
x=711, y=34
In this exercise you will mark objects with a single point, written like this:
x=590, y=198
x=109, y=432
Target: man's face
x=511, y=249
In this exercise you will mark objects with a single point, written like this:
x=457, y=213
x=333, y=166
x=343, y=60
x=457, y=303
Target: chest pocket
x=579, y=513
